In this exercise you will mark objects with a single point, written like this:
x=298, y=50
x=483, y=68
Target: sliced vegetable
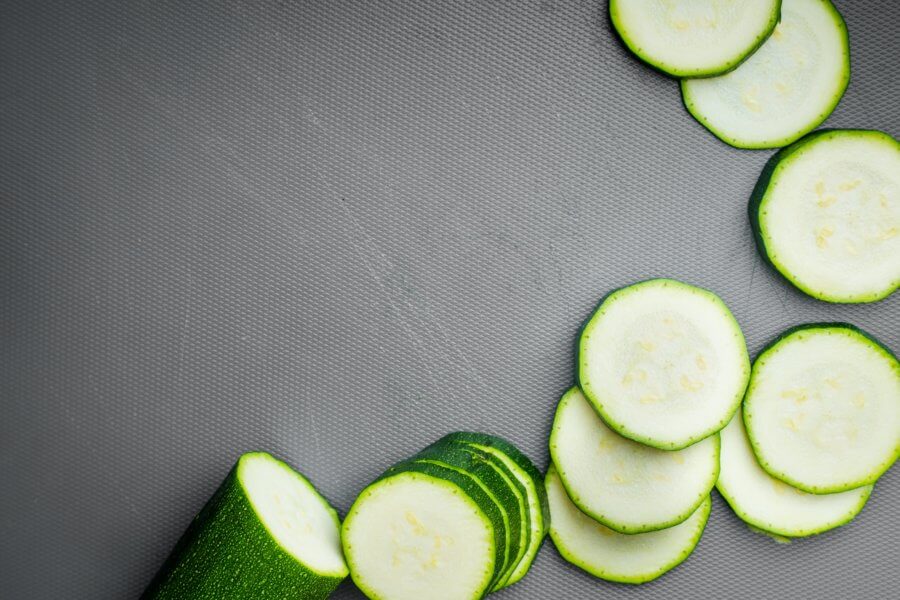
x=627, y=486
x=613, y=556
x=663, y=363
x=530, y=479
x=694, y=38
x=822, y=411
x=786, y=88
x=418, y=533
x=265, y=534
x=772, y=505
x=826, y=214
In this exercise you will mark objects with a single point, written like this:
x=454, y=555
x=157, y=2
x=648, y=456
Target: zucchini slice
x=613, y=556
x=664, y=363
x=826, y=214
x=786, y=88
x=694, y=38
x=822, y=411
x=418, y=533
x=266, y=533
x=627, y=486
x=770, y=504
x=530, y=479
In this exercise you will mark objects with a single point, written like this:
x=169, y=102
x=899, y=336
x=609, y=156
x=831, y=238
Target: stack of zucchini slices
x=662, y=367
x=464, y=517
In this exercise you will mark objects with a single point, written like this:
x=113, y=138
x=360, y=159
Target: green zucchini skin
x=756, y=206
x=227, y=552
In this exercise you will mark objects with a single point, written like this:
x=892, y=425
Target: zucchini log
x=265, y=534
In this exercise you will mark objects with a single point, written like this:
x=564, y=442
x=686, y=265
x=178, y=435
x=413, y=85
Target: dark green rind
x=756, y=209
x=438, y=476
x=531, y=482
x=730, y=65
x=588, y=391
x=773, y=531
x=689, y=105
x=748, y=417
x=706, y=507
x=479, y=493
x=602, y=519
x=479, y=465
x=227, y=552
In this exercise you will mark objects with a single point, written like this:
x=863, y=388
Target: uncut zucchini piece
x=826, y=214
x=771, y=505
x=497, y=485
x=627, y=486
x=786, y=88
x=614, y=556
x=265, y=534
x=664, y=363
x=530, y=478
x=694, y=38
x=822, y=410
x=418, y=533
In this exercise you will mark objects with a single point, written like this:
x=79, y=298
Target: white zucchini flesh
x=614, y=556
x=828, y=215
x=772, y=505
x=786, y=88
x=694, y=38
x=412, y=536
x=663, y=363
x=823, y=408
x=627, y=486
x=294, y=513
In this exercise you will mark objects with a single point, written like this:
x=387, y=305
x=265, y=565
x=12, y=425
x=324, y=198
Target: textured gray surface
x=338, y=230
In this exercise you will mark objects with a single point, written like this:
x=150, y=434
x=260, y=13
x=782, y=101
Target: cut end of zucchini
x=786, y=88
x=663, y=362
x=299, y=519
x=694, y=38
x=411, y=536
x=771, y=506
x=822, y=411
x=613, y=556
x=627, y=486
x=826, y=214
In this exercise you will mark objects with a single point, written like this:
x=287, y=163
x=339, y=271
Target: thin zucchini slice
x=627, y=486
x=822, y=411
x=664, y=363
x=786, y=88
x=772, y=505
x=530, y=478
x=613, y=556
x=826, y=214
x=497, y=486
x=694, y=38
x=265, y=534
x=418, y=533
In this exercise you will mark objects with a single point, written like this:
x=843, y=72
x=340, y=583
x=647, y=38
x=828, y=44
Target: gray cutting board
x=339, y=230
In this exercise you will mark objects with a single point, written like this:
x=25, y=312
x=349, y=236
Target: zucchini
x=772, y=506
x=826, y=214
x=694, y=38
x=531, y=480
x=613, y=556
x=822, y=411
x=265, y=534
x=785, y=89
x=627, y=486
x=419, y=532
x=664, y=363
